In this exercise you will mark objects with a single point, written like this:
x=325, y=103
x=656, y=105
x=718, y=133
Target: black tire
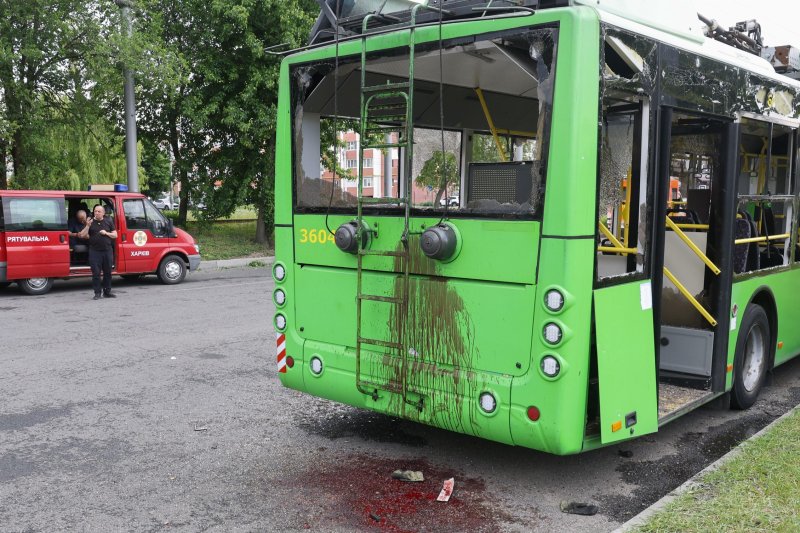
x=751, y=363
x=35, y=286
x=172, y=270
x=132, y=277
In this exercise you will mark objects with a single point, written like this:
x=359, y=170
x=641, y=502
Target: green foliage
x=758, y=490
x=440, y=172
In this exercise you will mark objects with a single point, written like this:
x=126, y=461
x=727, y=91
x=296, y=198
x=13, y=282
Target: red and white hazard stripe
x=281, y=353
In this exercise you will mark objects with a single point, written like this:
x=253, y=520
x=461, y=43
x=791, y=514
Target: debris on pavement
x=626, y=453
x=375, y=517
x=200, y=428
x=447, y=490
x=586, y=509
x=408, y=475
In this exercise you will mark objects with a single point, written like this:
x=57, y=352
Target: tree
x=439, y=172
x=45, y=48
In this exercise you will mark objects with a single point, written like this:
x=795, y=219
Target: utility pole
x=131, y=158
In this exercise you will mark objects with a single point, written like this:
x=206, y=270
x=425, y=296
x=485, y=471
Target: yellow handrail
x=699, y=253
x=763, y=239
x=688, y=296
x=617, y=250
x=489, y=121
x=610, y=236
x=693, y=226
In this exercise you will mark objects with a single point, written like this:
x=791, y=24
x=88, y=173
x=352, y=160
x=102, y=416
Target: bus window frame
x=295, y=102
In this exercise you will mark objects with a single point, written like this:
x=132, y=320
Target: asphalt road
x=160, y=411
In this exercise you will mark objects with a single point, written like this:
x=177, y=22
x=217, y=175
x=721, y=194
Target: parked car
x=167, y=203
x=452, y=201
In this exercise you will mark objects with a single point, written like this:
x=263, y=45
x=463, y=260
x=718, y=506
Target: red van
x=35, y=245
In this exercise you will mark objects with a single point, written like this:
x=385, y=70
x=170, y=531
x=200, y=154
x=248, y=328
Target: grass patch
x=758, y=490
x=257, y=264
x=227, y=240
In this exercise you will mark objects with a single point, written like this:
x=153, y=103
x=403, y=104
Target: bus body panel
x=782, y=288
x=626, y=361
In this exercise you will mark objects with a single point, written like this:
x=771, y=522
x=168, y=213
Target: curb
x=234, y=263
x=641, y=518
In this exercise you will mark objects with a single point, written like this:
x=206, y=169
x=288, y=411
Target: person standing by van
x=101, y=233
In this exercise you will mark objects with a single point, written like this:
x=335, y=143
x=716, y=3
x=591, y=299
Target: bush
x=171, y=214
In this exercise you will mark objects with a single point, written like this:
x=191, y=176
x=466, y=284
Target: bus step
x=375, y=298
x=378, y=342
x=392, y=89
x=387, y=118
x=382, y=253
x=379, y=200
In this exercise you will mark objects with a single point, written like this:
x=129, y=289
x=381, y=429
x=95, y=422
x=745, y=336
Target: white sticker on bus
x=29, y=238
x=646, y=295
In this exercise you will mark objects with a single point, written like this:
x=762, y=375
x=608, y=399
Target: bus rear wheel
x=752, y=357
x=35, y=286
x=172, y=270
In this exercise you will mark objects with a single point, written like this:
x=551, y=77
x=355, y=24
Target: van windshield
x=494, y=102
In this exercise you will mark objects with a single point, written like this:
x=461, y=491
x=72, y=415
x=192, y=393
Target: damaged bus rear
x=415, y=173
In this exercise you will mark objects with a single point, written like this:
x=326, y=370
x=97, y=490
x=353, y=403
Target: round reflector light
x=280, y=322
x=552, y=333
x=533, y=413
x=550, y=366
x=280, y=297
x=487, y=402
x=279, y=272
x=554, y=300
x=316, y=366
x=290, y=361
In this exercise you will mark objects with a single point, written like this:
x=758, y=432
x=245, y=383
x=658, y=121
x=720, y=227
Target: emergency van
x=36, y=248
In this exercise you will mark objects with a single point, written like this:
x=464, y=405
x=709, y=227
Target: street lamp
x=131, y=159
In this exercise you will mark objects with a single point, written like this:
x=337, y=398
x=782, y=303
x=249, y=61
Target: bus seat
x=683, y=216
x=753, y=259
x=771, y=256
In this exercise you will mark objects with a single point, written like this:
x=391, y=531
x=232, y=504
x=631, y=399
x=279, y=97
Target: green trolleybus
x=555, y=225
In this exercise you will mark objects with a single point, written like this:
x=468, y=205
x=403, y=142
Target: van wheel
x=752, y=357
x=172, y=270
x=35, y=286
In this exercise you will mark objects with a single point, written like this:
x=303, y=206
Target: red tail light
x=290, y=361
x=533, y=413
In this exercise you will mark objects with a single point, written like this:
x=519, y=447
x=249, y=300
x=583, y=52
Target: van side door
x=36, y=237
x=144, y=238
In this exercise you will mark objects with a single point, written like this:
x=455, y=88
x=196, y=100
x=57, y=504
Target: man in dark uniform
x=101, y=233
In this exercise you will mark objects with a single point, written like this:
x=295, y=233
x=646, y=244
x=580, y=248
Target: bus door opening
x=693, y=233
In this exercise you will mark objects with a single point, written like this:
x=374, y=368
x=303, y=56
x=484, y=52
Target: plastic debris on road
x=408, y=475
x=447, y=490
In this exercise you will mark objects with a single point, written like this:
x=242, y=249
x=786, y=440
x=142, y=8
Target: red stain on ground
x=360, y=494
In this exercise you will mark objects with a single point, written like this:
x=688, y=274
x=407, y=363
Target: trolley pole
x=131, y=158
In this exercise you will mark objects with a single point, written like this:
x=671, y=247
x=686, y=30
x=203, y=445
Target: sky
x=779, y=19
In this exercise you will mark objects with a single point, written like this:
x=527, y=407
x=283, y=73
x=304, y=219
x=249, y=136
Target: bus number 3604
x=315, y=236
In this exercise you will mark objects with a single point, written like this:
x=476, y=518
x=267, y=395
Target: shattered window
x=480, y=131
x=622, y=212
x=765, y=201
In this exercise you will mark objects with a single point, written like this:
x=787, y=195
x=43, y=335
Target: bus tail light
x=552, y=333
x=554, y=300
x=534, y=413
x=616, y=426
x=550, y=366
x=487, y=402
x=279, y=271
x=290, y=361
x=315, y=365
